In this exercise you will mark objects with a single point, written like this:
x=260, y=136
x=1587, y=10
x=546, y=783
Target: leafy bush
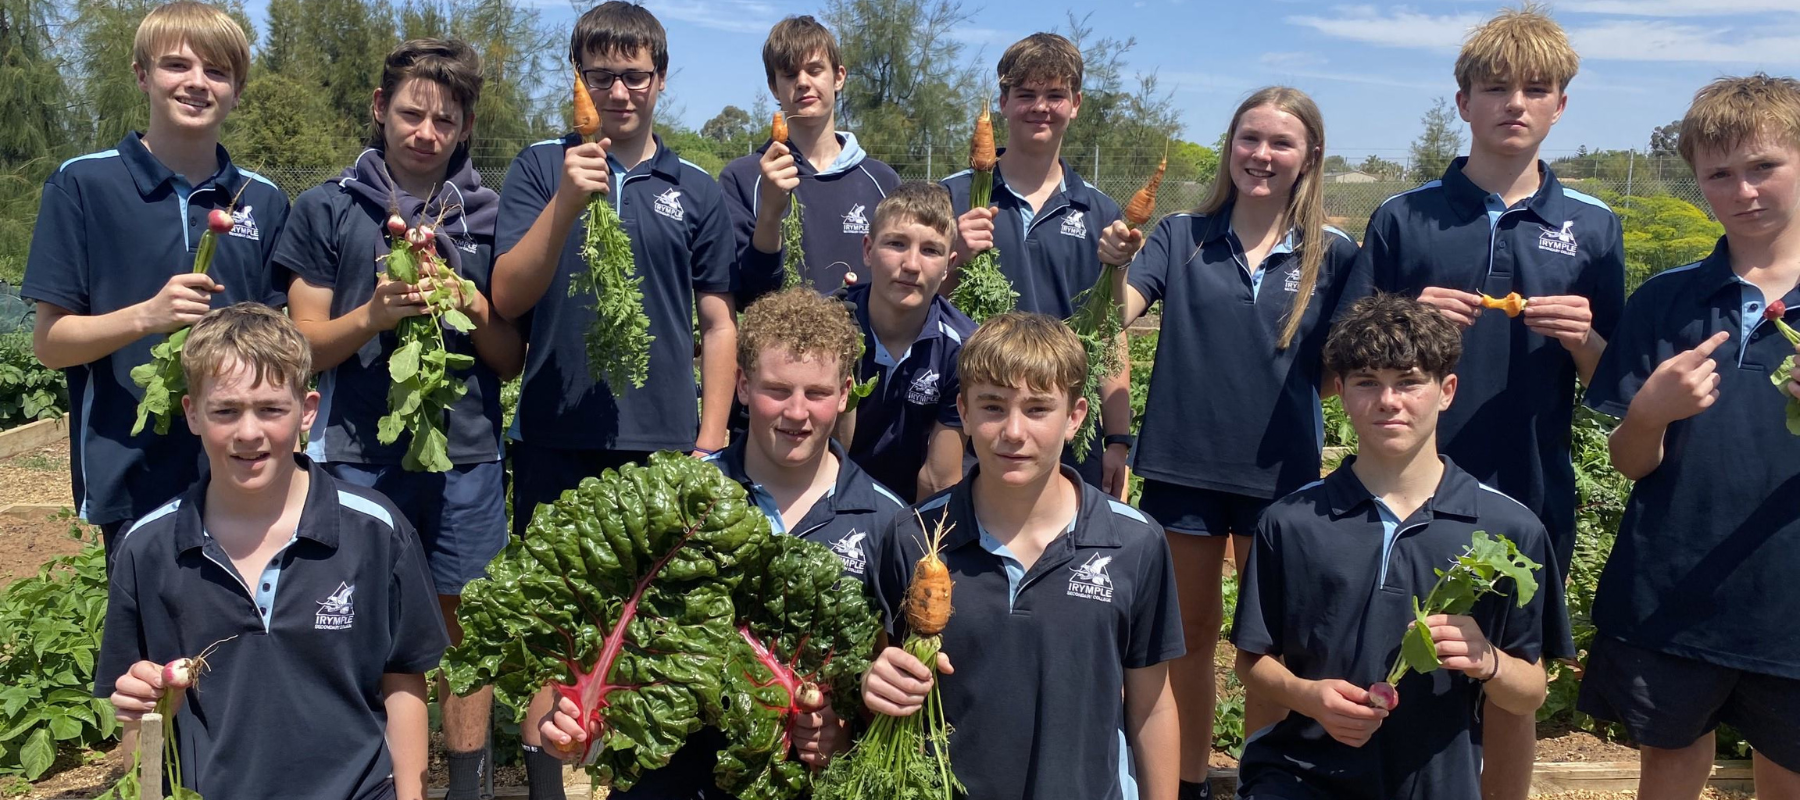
x=49, y=636
x=29, y=391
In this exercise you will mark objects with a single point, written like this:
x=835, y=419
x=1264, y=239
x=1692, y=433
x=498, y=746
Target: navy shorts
x=1668, y=701
x=460, y=515
x=542, y=474
x=1201, y=512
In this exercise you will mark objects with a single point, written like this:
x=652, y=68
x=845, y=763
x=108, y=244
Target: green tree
x=337, y=46
x=730, y=123
x=1439, y=144
x=1335, y=164
x=1382, y=168
x=424, y=19
x=1661, y=232
x=284, y=122
x=1128, y=123
x=525, y=88
x=908, y=87
x=1665, y=140
x=34, y=97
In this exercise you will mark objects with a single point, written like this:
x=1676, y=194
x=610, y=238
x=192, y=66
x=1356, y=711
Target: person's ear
x=844, y=395
x=1449, y=392
x=743, y=386
x=1078, y=411
x=309, y=410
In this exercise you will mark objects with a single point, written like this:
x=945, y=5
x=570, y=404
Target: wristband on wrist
x=1495, y=673
x=1121, y=438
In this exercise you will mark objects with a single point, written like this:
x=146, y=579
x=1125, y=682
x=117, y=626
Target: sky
x=1374, y=68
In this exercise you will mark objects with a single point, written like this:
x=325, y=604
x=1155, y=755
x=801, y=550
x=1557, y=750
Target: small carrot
x=1512, y=303
x=778, y=129
x=1143, y=202
x=587, y=118
x=982, y=155
x=928, y=596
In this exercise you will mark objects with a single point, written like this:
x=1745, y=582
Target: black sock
x=1196, y=791
x=465, y=774
x=544, y=773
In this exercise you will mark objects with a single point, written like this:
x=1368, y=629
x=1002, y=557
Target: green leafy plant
x=1228, y=718
x=29, y=391
x=422, y=368
x=49, y=638
x=1097, y=322
x=618, y=341
x=1785, y=373
x=982, y=290
x=793, y=250
x=1477, y=572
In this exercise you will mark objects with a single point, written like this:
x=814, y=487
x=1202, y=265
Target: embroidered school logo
x=1291, y=281
x=849, y=550
x=1091, y=581
x=1075, y=224
x=463, y=243
x=855, y=222
x=1558, y=241
x=668, y=204
x=243, y=224
x=924, y=389
x=336, y=612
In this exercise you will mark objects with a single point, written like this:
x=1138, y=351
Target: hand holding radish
x=1342, y=709
x=1461, y=307
x=975, y=229
x=183, y=300
x=1119, y=243
x=897, y=683
x=137, y=691
x=781, y=175
x=393, y=302
x=819, y=735
x=1682, y=386
x=585, y=173
x=1566, y=318
x=1461, y=645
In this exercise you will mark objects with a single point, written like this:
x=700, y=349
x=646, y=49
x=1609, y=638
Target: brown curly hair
x=1389, y=331
x=802, y=322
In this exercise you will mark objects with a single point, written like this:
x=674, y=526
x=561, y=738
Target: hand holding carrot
x=781, y=176
x=1120, y=243
x=1566, y=318
x=975, y=230
x=1682, y=386
x=585, y=173
x=1463, y=308
x=181, y=302
x=897, y=683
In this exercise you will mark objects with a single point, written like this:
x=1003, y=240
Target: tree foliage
x=1439, y=144
x=908, y=87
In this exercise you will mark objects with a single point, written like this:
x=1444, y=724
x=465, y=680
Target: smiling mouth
x=1259, y=173
x=252, y=459
x=193, y=103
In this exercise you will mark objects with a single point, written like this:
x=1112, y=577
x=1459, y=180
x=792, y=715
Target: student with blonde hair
x=1247, y=281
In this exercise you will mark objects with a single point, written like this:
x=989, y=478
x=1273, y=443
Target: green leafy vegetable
x=793, y=253
x=618, y=341
x=1098, y=323
x=1477, y=572
x=983, y=291
x=161, y=379
x=619, y=596
x=1785, y=373
x=422, y=369
x=50, y=626
x=802, y=629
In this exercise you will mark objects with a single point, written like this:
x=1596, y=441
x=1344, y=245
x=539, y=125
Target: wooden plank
x=27, y=438
x=150, y=757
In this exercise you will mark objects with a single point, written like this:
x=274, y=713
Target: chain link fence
x=1350, y=195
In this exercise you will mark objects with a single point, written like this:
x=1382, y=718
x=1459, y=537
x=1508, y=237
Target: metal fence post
x=1630, y=167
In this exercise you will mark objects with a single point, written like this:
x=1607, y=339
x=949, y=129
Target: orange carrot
x=587, y=119
x=778, y=130
x=981, y=146
x=928, y=596
x=1512, y=303
x=1143, y=202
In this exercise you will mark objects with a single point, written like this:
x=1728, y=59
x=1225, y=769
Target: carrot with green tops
x=982, y=290
x=793, y=254
x=618, y=340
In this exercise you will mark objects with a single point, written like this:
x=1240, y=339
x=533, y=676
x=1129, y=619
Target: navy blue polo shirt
x=838, y=208
x=112, y=228
x=347, y=601
x=681, y=241
x=1036, y=702
x=1330, y=589
x=1514, y=386
x=916, y=391
x=843, y=520
x=1052, y=254
x=1703, y=565
x=333, y=240
x=1222, y=377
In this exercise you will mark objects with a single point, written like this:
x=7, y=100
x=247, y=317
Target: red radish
x=1383, y=696
x=416, y=238
x=395, y=225
x=1776, y=310
x=179, y=674
x=849, y=279
x=219, y=221
x=428, y=233
x=810, y=698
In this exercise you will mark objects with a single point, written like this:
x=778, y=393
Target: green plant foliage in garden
x=29, y=391
x=49, y=638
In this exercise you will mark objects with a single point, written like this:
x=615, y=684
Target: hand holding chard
x=618, y=340
x=1477, y=572
x=1775, y=312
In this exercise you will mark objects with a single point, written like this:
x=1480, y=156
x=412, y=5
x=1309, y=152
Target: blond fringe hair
x=923, y=202
x=1518, y=44
x=213, y=34
x=1045, y=57
x=1731, y=111
x=1306, y=203
x=800, y=322
x=1020, y=350
x=253, y=335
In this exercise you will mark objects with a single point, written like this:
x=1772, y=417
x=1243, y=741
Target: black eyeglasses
x=601, y=80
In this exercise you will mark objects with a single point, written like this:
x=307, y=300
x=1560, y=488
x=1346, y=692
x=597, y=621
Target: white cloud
x=1678, y=8
x=740, y=16
x=1401, y=27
